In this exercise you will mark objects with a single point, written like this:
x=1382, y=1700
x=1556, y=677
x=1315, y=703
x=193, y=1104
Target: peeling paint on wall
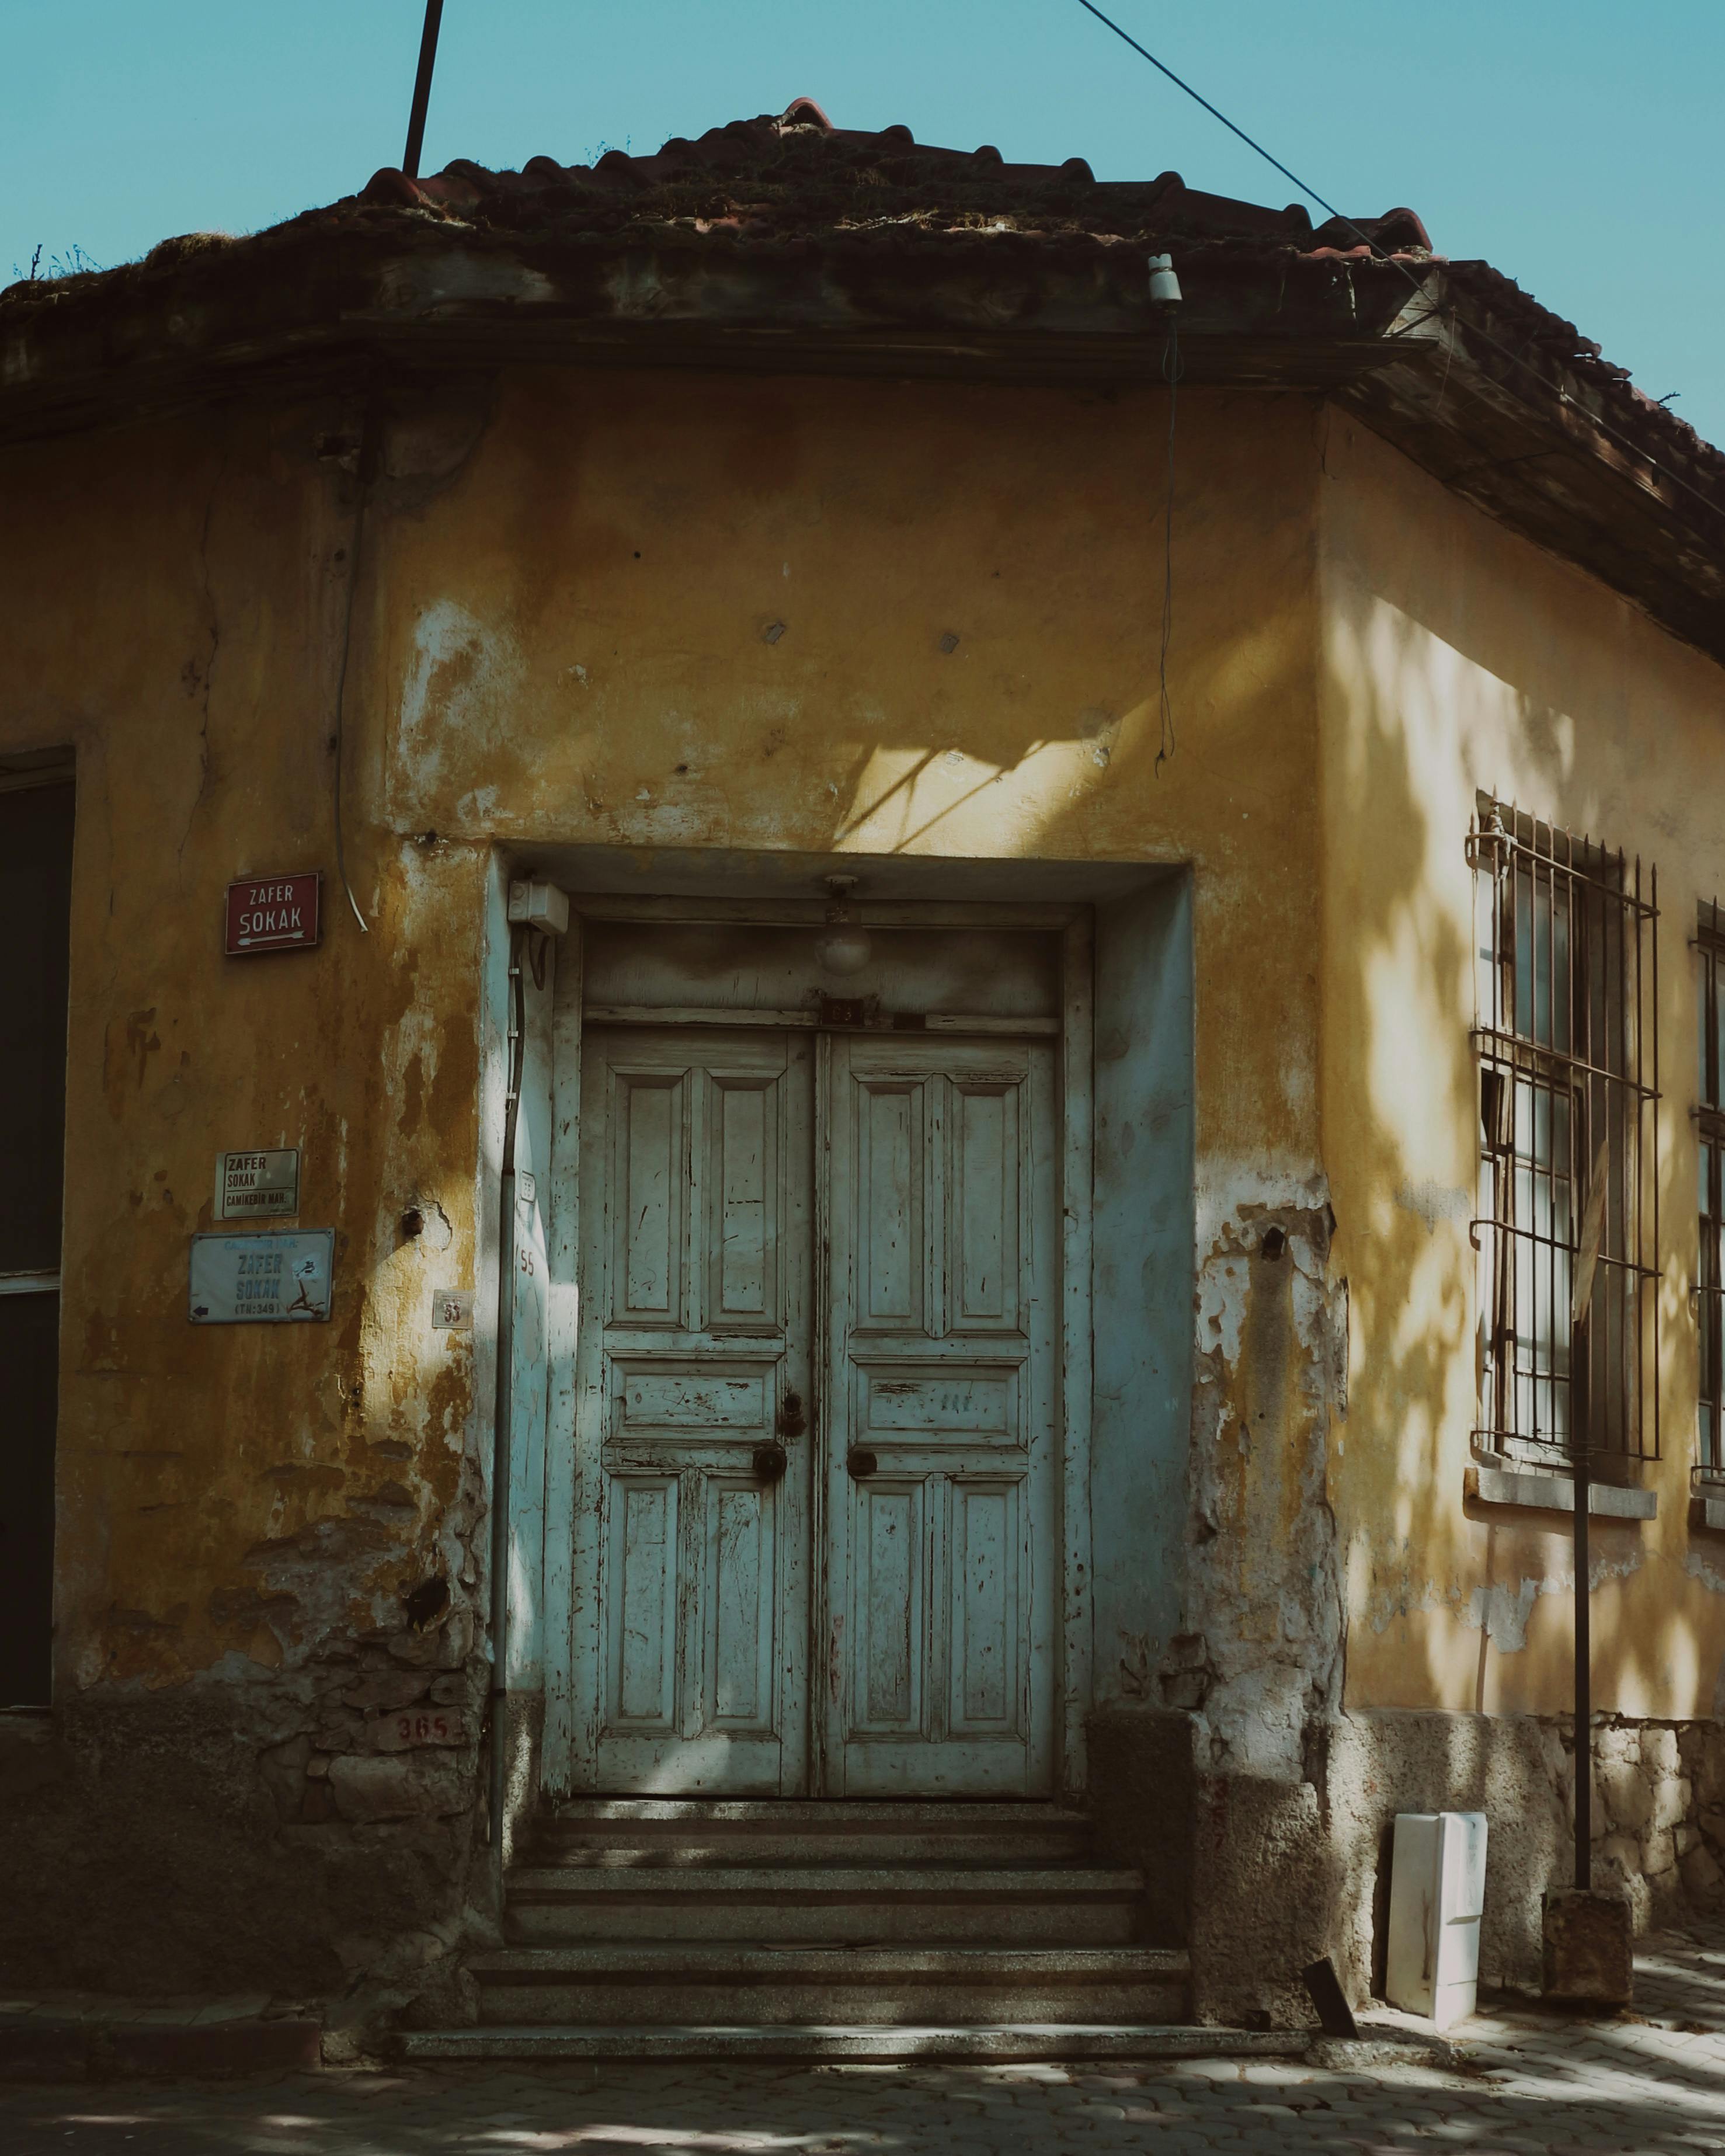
x=1260, y=1654
x=458, y=682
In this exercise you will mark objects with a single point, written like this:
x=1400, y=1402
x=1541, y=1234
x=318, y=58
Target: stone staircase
x=642, y=1928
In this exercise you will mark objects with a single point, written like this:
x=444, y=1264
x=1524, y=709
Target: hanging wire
x=367, y=446
x=1384, y=254
x=1171, y=371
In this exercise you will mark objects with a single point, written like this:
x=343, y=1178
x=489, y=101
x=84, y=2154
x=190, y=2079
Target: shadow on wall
x=1445, y=675
x=1455, y=1632
x=1450, y=1607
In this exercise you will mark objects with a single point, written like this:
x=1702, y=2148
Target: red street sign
x=274, y=913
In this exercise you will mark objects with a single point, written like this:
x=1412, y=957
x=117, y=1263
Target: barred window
x=1566, y=988
x=1710, y=1120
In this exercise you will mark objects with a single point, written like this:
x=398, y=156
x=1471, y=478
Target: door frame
x=1074, y=1105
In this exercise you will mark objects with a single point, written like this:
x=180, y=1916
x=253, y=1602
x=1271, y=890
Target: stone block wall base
x=1258, y=1877
x=1238, y=1868
x=1590, y=1953
x=49, y=2046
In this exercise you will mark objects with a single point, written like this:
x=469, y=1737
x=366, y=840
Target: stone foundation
x=271, y=1831
x=1260, y=1875
x=253, y=1835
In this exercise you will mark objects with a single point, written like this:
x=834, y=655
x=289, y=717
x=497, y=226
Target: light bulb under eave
x=845, y=947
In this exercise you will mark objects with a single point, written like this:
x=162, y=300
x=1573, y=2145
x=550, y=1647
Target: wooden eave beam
x=1538, y=462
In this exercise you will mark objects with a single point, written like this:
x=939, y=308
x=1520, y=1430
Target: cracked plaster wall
x=269, y=1540
x=560, y=638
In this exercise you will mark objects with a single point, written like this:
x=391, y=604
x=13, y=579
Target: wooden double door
x=816, y=1476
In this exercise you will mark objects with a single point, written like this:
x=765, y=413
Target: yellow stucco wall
x=559, y=637
x=171, y=612
x=1457, y=656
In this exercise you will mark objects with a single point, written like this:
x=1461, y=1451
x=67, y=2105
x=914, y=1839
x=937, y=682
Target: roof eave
x=1531, y=439
x=1439, y=370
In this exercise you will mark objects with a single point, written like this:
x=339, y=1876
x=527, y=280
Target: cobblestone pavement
x=1529, y=2080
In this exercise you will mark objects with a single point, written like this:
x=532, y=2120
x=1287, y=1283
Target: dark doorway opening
x=35, y=902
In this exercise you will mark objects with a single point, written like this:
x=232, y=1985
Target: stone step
x=860, y=1812
x=1017, y=2039
x=628, y=1832
x=552, y=1845
x=732, y=1985
x=1070, y=1905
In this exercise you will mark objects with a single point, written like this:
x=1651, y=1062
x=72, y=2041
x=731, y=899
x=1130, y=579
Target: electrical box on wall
x=539, y=906
x=1437, y=1898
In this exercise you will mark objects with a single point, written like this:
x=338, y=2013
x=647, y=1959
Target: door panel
x=888, y=1550
x=651, y=1112
x=983, y=1535
x=690, y=1635
x=891, y=1190
x=742, y=1224
x=737, y=1688
x=941, y=1486
x=987, y=1286
x=641, y=1572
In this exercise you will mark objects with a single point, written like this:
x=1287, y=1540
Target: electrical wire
x=1382, y=255
x=502, y=1470
x=1197, y=98
x=1171, y=371
x=366, y=446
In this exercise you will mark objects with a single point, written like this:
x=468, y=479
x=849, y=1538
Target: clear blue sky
x=1579, y=145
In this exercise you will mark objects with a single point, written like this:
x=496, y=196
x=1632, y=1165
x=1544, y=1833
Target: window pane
x=1712, y=1096
x=1558, y=958
x=1711, y=1312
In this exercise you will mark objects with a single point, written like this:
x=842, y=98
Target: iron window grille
x=1710, y=1133
x=1567, y=989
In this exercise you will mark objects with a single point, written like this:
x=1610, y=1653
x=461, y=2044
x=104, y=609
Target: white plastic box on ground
x=1437, y=1898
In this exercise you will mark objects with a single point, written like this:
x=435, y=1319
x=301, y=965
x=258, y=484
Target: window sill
x=1543, y=1489
x=1705, y=1511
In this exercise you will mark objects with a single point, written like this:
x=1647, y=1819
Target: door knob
x=860, y=1463
x=770, y=1462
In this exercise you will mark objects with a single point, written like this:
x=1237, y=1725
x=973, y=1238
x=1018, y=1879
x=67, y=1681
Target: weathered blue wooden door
x=693, y=1487
x=938, y=1418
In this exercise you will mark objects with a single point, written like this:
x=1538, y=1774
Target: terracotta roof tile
x=794, y=180
x=796, y=173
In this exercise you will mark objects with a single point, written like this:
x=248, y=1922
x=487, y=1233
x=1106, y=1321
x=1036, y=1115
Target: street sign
x=279, y=1278
x=274, y=913
x=250, y=1186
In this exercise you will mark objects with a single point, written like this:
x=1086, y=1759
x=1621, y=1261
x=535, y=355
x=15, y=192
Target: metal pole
x=501, y=1461
x=422, y=88
x=1585, y=1266
x=1584, y=1681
